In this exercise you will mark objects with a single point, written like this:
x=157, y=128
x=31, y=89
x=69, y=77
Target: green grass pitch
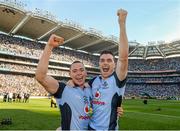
x=38, y=115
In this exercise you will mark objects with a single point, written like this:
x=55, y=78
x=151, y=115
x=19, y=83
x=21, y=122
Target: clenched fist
x=55, y=40
x=122, y=15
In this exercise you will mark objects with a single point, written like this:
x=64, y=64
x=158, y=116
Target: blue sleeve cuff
x=91, y=81
x=119, y=83
x=60, y=90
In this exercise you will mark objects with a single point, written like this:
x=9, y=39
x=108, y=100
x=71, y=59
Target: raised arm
x=122, y=63
x=48, y=82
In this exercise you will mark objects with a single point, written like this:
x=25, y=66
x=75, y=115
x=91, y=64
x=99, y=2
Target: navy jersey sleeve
x=91, y=81
x=119, y=83
x=60, y=90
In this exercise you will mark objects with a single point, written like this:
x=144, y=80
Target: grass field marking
x=155, y=114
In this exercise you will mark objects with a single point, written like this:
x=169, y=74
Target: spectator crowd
x=155, y=85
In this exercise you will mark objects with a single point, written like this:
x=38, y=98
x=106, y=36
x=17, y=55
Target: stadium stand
x=153, y=69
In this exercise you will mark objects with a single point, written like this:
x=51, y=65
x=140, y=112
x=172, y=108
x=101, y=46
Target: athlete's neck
x=105, y=77
x=82, y=86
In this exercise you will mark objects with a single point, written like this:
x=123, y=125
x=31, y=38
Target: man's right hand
x=120, y=111
x=55, y=41
x=48, y=82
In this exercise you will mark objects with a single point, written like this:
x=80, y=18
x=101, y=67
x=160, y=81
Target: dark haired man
x=109, y=87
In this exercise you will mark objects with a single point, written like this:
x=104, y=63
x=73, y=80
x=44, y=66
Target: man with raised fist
x=108, y=88
x=74, y=102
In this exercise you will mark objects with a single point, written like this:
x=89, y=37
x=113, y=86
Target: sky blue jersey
x=106, y=96
x=74, y=103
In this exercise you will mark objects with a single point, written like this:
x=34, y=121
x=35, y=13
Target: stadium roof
x=39, y=25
